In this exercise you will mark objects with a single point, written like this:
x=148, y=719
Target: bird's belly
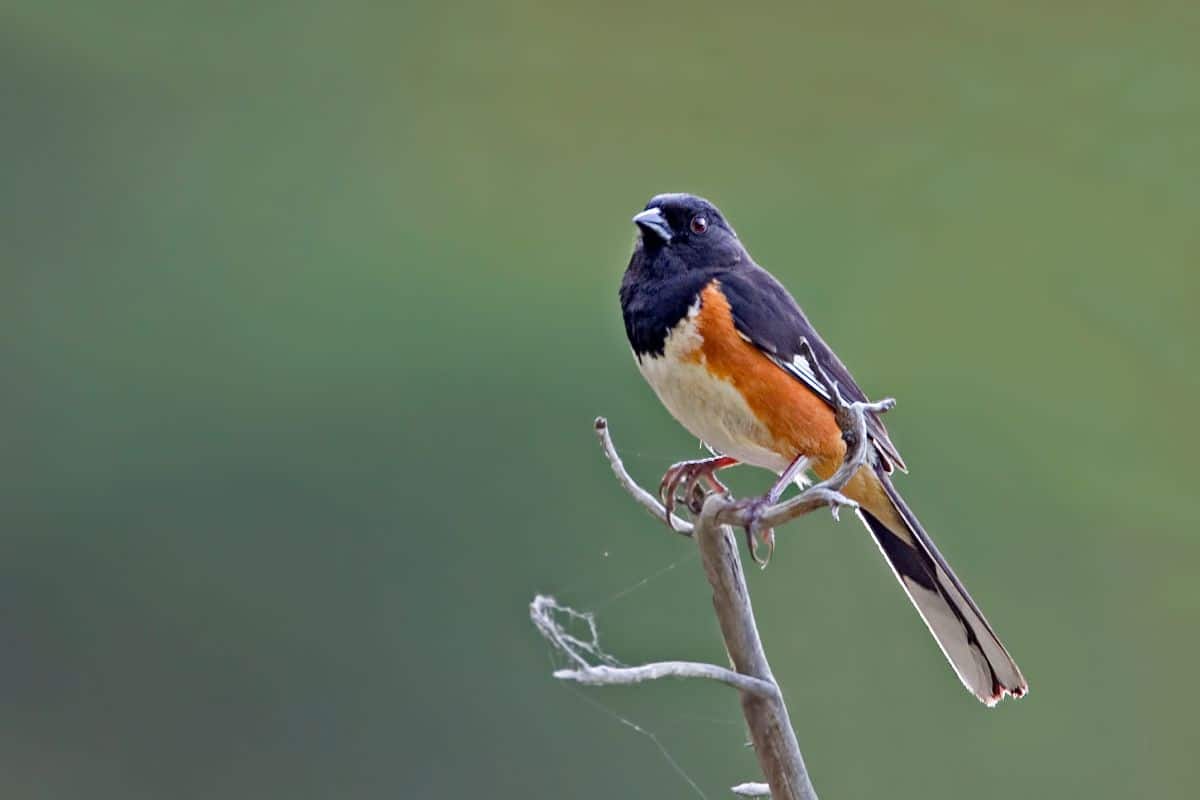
x=710, y=408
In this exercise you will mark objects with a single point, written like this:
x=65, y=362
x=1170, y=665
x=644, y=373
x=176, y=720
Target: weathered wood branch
x=604, y=675
x=767, y=718
x=766, y=714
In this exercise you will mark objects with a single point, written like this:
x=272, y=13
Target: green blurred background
x=306, y=310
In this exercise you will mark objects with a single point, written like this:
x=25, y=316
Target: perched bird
x=730, y=354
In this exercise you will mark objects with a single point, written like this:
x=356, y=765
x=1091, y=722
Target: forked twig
x=766, y=715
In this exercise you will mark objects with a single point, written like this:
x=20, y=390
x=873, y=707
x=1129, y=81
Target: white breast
x=710, y=408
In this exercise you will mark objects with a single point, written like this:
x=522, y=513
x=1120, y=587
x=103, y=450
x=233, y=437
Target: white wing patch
x=801, y=363
x=799, y=368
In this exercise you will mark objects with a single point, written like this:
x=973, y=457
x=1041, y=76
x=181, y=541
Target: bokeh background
x=306, y=310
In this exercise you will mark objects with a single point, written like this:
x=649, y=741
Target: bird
x=733, y=358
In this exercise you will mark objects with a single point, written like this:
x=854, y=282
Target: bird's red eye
x=699, y=224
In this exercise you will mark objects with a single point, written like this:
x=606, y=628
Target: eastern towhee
x=727, y=349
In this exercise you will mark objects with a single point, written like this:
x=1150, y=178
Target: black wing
x=766, y=315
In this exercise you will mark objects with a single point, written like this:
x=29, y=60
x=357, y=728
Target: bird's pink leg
x=786, y=478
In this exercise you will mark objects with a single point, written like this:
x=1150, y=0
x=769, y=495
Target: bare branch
x=853, y=419
x=625, y=676
x=770, y=727
x=766, y=714
x=609, y=671
x=640, y=495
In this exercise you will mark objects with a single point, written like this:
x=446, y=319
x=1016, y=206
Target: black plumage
x=664, y=278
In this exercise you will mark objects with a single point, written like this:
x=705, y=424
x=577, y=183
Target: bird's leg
x=787, y=478
x=689, y=474
x=759, y=505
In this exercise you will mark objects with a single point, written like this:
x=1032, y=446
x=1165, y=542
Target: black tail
x=970, y=644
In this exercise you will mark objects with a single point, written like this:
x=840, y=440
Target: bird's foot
x=752, y=511
x=686, y=476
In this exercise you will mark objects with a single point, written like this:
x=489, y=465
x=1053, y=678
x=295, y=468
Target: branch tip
x=879, y=406
x=640, y=495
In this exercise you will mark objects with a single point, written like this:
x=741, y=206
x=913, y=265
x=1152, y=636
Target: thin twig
x=640, y=495
x=546, y=613
x=625, y=676
x=826, y=494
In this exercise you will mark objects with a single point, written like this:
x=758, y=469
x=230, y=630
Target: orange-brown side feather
x=800, y=422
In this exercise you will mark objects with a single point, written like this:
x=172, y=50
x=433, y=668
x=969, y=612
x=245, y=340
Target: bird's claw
x=753, y=510
x=695, y=497
x=837, y=501
x=687, y=475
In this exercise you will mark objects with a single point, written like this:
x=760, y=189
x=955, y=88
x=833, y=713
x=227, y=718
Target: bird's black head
x=684, y=244
x=682, y=232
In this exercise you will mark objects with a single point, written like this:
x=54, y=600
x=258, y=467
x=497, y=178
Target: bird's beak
x=652, y=220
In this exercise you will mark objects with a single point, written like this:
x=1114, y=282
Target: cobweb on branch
x=546, y=613
x=552, y=621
